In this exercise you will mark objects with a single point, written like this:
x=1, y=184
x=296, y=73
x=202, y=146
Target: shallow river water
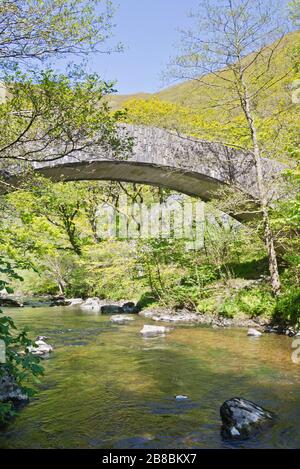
x=107, y=387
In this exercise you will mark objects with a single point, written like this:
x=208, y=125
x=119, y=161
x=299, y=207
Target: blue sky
x=147, y=28
x=149, y=31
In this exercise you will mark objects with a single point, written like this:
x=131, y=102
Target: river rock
x=59, y=301
x=253, y=333
x=112, y=309
x=147, y=314
x=91, y=304
x=241, y=418
x=181, y=397
x=270, y=330
x=122, y=319
x=42, y=337
x=10, y=391
x=172, y=316
x=11, y=302
x=42, y=349
x=281, y=329
x=152, y=331
x=75, y=301
x=130, y=308
x=208, y=319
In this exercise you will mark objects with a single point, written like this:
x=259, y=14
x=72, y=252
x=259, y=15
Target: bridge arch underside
x=187, y=182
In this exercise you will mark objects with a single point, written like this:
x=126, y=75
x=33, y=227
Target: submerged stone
x=122, y=319
x=181, y=397
x=152, y=331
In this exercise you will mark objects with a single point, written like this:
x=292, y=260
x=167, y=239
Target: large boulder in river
x=10, y=391
x=253, y=333
x=130, y=308
x=92, y=304
x=112, y=309
x=11, y=302
x=40, y=348
x=75, y=301
x=59, y=301
x=153, y=331
x=62, y=301
x=241, y=419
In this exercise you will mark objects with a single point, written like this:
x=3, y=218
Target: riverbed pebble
x=121, y=319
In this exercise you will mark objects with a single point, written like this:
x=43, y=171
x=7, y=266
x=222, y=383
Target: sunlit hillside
x=194, y=95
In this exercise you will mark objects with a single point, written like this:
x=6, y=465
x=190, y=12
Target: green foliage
x=181, y=297
x=191, y=109
x=295, y=11
x=45, y=115
x=251, y=302
x=287, y=309
x=192, y=286
x=201, y=275
x=54, y=227
x=19, y=364
x=39, y=29
x=147, y=299
x=207, y=305
x=68, y=110
x=286, y=224
x=7, y=271
x=6, y=410
x=107, y=271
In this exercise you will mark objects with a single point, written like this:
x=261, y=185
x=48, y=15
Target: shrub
x=253, y=303
x=181, y=297
x=287, y=309
x=207, y=305
x=229, y=308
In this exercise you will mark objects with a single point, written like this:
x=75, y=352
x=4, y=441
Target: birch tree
x=231, y=55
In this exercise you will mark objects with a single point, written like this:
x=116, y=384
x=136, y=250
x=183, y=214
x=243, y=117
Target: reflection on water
x=107, y=387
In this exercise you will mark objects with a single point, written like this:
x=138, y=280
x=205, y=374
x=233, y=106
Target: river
x=107, y=387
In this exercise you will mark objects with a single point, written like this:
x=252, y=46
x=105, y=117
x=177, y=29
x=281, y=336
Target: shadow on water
x=107, y=387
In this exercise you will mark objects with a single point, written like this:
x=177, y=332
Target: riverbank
x=207, y=319
x=160, y=314
x=264, y=324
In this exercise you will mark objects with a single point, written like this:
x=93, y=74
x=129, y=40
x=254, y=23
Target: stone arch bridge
x=165, y=159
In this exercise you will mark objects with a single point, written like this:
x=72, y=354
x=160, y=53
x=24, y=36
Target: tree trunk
x=268, y=234
x=93, y=224
x=60, y=287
